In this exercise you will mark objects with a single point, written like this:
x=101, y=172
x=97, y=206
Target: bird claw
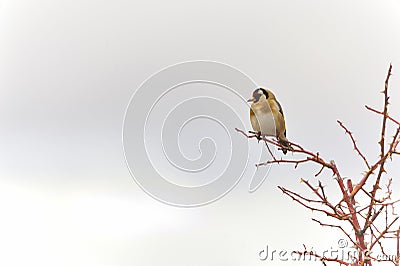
x=258, y=136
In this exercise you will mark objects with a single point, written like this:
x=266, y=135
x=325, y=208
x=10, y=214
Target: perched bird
x=266, y=116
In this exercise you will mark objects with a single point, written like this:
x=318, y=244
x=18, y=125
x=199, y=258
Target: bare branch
x=351, y=207
x=354, y=143
x=381, y=113
x=339, y=227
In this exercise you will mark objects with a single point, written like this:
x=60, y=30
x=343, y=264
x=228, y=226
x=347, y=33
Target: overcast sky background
x=69, y=68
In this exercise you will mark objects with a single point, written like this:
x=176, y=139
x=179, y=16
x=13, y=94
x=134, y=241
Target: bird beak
x=250, y=100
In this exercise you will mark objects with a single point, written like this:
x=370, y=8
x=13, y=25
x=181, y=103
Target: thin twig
x=354, y=143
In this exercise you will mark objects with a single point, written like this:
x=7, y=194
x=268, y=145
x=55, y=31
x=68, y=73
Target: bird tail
x=285, y=144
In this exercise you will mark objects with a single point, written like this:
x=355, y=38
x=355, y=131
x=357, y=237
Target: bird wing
x=279, y=107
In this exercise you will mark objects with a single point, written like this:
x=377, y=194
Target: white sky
x=68, y=69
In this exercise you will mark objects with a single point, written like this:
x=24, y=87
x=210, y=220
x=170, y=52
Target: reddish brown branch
x=381, y=171
x=383, y=134
x=338, y=227
x=354, y=143
x=383, y=233
x=348, y=208
x=381, y=113
x=296, y=197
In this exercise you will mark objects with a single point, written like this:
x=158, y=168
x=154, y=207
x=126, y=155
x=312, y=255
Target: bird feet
x=285, y=145
x=256, y=135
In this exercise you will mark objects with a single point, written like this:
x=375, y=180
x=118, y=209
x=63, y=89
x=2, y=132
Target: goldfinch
x=266, y=116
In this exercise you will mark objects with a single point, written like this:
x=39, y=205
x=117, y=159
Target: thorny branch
x=363, y=219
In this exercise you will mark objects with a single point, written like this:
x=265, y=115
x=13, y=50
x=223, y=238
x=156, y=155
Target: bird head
x=260, y=94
